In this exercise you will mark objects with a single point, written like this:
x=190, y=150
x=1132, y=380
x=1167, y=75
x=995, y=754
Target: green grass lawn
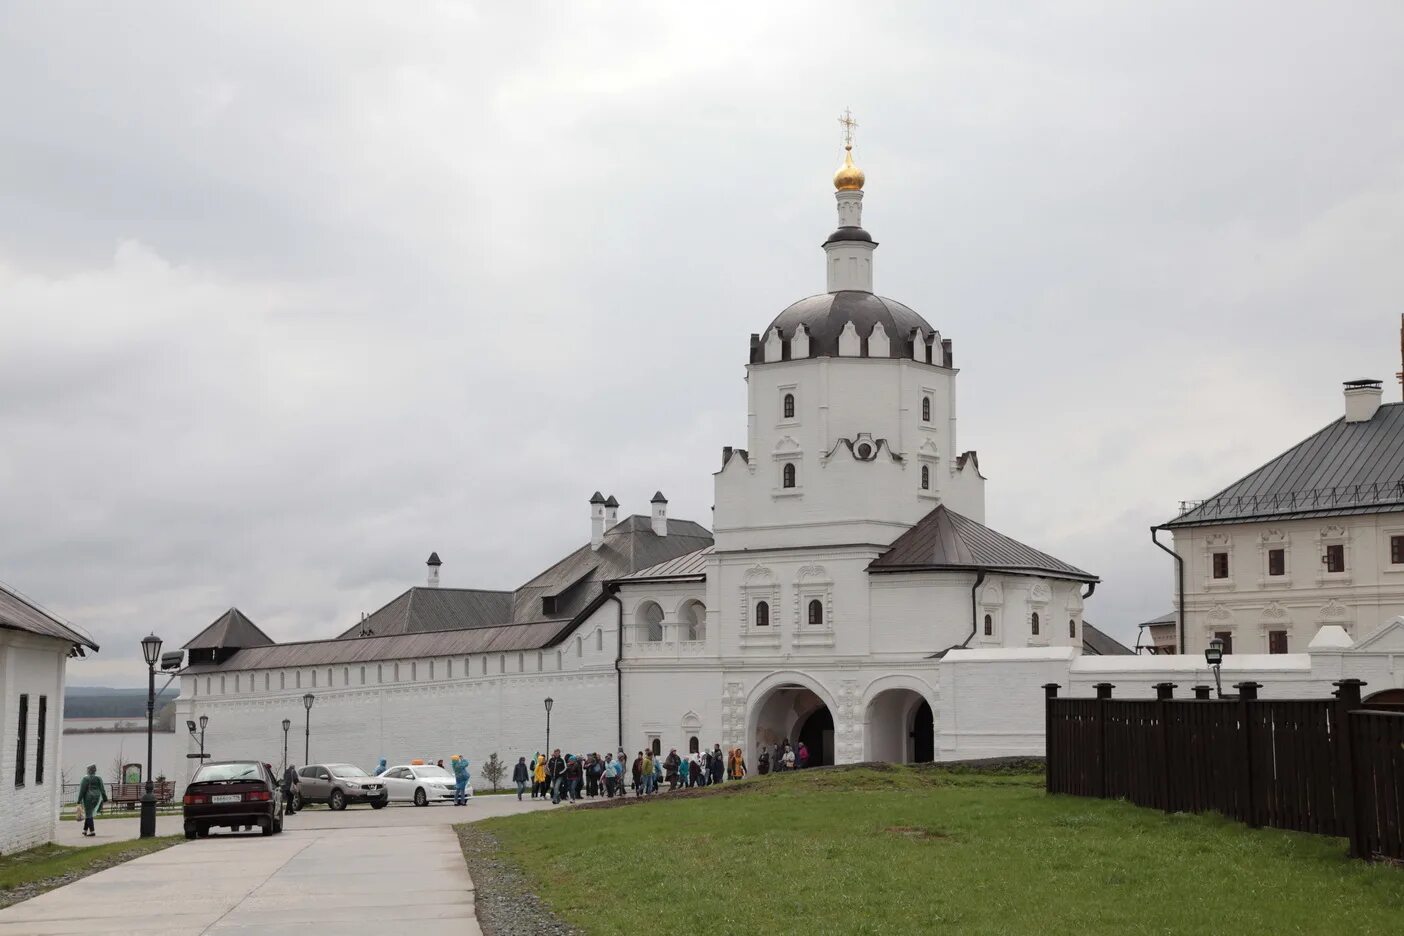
x=33, y=871
x=916, y=850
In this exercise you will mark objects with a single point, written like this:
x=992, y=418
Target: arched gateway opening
x=900, y=728
x=794, y=713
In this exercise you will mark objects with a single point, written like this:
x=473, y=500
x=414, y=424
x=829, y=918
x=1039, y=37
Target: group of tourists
x=782, y=757
x=570, y=776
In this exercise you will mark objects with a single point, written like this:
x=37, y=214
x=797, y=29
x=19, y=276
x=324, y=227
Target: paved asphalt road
x=480, y=807
x=357, y=871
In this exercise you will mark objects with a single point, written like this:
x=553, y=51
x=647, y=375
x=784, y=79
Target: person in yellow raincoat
x=538, y=777
x=737, y=765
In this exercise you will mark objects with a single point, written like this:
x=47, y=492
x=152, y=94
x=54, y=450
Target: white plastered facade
x=33, y=666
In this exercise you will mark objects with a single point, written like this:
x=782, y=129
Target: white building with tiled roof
x=1313, y=537
x=35, y=648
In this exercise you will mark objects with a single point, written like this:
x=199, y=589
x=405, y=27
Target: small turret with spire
x=849, y=249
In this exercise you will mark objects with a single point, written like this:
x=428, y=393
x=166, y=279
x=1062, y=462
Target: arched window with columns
x=649, y=621
x=762, y=614
x=816, y=613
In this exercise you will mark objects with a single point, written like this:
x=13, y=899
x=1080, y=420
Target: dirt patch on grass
x=504, y=902
x=914, y=833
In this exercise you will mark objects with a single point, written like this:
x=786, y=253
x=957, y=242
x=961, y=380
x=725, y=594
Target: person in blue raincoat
x=379, y=768
x=460, y=780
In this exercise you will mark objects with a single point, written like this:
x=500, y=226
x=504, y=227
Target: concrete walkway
x=357, y=871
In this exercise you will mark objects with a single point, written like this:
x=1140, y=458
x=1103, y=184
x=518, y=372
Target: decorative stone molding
x=733, y=706
x=1216, y=543
x=848, y=723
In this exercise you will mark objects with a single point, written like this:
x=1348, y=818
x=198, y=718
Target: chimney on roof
x=597, y=511
x=611, y=512
x=433, y=565
x=1362, y=399
x=660, y=514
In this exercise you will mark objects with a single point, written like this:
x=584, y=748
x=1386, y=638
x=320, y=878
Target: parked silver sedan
x=420, y=784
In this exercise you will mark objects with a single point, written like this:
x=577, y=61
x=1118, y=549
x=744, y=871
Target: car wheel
x=266, y=826
x=337, y=800
x=202, y=831
x=419, y=798
x=190, y=830
x=297, y=801
x=379, y=804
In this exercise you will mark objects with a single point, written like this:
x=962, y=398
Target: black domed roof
x=825, y=316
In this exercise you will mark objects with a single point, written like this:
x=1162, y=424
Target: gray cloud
x=293, y=294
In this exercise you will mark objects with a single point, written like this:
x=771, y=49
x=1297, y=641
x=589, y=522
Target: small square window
x=1277, y=641
x=1227, y=638
x=1335, y=557
x=1277, y=562
x=1221, y=565
x=1396, y=550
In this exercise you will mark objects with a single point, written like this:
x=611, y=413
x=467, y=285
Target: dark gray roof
x=396, y=647
x=692, y=567
x=611, y=502
x=850, y=233
x=434, y=559
x=230, y=629
x=658, y=498
x=826, y=314
x=597, y=498
x=1346, y=468
x=1096, y=643
x=20, y=614
x=579, y=578
x=422, y=609
x=1167, y=618
x=944, y=539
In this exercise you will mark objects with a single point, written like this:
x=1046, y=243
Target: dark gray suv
x=338, y=785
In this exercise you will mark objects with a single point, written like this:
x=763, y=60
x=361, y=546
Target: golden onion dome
x=849, y=178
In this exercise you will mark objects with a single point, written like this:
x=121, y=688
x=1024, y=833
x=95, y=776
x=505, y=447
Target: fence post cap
x=1351, y=681
x=1104, y=685
x=1172, y=685
x=1050, y=690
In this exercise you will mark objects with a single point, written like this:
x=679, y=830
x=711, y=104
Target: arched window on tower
x=989, y=625
x=926, y=409
x=1072, y=628
x=1033, y=623
x=787, y=475
x=789, y=406
x=762, y=614
x=926, y=477
x=816, y=613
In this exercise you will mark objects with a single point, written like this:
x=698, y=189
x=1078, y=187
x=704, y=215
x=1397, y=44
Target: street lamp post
x=151, y=652
x=307, y=701
x=204, y=720
x=549, y=703
x=287, y=723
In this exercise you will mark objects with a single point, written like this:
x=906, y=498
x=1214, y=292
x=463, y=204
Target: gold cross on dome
x=848, y=123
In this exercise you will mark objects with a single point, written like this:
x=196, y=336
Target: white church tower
x=852, y=411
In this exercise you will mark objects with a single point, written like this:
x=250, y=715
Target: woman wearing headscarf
x=91, y=795
x=460, y=780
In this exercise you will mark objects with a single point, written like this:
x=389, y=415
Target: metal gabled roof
x=1098, y=643
x=230, y=629
x=459, y=642
x=944, y=539
x=690, y=566
x=1345, y=468
x=421, y=609
x=20, y=614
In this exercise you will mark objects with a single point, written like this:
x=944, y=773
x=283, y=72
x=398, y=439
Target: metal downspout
x=618, y=656
x=1180, y=585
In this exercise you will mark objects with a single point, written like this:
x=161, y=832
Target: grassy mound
x=882, y=849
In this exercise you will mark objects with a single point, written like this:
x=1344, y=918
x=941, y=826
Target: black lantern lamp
x=549, y=703
x=1214, y=656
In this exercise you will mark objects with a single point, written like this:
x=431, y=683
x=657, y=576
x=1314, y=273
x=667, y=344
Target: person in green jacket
x=91, y=795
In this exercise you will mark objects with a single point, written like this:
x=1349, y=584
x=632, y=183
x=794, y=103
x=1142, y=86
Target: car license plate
x=227, y=798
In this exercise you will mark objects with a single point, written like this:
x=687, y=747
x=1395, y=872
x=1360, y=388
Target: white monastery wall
x=430, y=708
x=32, y=665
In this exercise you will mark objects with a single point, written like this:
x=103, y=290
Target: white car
x=420, y=784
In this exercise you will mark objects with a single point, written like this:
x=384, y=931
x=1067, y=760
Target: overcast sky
x=293, y=294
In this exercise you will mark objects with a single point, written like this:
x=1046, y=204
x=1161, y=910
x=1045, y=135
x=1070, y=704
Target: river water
x=108, y=748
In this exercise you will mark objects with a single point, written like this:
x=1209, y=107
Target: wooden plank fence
x=1326, y=766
